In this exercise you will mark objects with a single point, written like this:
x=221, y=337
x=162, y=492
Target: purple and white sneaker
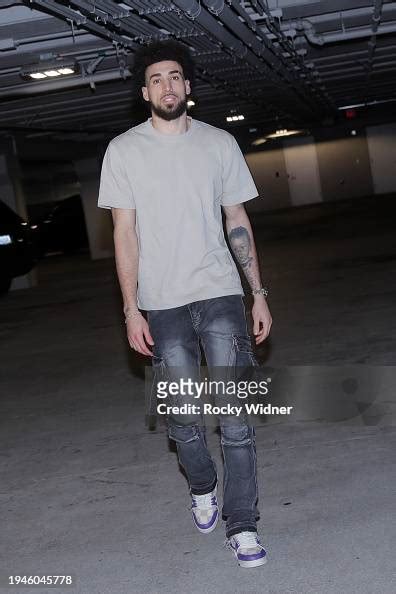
x=247, y=549
x=205, y=511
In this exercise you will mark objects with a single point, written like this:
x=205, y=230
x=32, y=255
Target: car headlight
x=5, y=239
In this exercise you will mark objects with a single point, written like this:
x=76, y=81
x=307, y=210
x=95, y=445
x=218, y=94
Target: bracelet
x=131, y=314
x=263, y=291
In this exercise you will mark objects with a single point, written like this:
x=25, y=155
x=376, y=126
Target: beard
x=172, y=112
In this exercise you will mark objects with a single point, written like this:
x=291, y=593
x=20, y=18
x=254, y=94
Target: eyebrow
x=170, y=72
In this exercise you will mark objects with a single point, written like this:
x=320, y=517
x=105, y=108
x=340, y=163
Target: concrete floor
x=88, y=490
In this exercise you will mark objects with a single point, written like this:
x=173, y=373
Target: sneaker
x=247, y=549
x=205, y=511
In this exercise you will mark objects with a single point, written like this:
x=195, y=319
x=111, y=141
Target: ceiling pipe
x=76, y=18
x=299, y=68
x=307, y=28
x=249, y=38
x=193, y=10
x=375, y=21
x=35, y=88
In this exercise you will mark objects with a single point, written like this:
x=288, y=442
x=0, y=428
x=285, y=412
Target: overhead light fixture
x=5, y=239
x=235, y=118
x=259, y=141
x=190, y=103
x=367, y=104
x=284, y=132
x=51, y=69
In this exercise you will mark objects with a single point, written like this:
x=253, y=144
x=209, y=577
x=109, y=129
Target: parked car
x=19, y=246
x=62, y=228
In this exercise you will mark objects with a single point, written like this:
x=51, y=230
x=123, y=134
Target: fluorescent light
x=190, y=103
x=49, y=69
x=5, y=239
x=259, y=141
x=235, y=118
x=367, y=104
x=284, y=132
x=66, y=70
x=52, y=73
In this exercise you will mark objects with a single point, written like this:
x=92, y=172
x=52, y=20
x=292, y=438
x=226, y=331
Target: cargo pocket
x=159, y=374
x=244, y=355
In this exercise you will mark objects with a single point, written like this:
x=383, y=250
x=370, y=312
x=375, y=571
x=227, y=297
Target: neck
x=178, y=126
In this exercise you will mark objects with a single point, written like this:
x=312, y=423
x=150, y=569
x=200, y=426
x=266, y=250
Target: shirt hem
x=149, y=306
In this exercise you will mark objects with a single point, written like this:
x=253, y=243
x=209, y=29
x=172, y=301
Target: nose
x=168, y=84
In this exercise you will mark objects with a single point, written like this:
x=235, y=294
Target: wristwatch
x=262, y=291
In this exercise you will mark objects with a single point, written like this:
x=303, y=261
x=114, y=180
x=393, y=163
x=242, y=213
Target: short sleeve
x=238, y=184
x=115, y=189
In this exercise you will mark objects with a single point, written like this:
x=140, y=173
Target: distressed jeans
x=219, y=326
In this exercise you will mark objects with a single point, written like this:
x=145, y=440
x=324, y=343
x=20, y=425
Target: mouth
x=169, y=98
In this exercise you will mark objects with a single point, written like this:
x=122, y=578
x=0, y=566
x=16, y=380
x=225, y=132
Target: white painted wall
x=381, y=142
x=302, y=170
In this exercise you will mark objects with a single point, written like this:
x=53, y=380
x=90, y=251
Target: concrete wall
x=382, y=150
x=344, y=167
x=304, y=170
x=269, y=171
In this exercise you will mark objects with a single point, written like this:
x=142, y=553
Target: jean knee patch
x=183, y=433
x=236, y=435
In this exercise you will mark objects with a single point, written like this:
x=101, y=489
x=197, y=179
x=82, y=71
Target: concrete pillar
x=98, y=221
x=11, y=192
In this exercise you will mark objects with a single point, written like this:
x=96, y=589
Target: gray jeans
x=219, y=326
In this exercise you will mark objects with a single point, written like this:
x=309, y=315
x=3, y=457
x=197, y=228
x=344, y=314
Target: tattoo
x=240, y=243
x=241, y=246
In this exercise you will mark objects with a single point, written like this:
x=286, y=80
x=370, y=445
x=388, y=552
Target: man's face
x=241, y=247
x=166, y=89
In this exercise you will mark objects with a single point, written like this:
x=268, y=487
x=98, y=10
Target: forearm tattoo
x=242, y=248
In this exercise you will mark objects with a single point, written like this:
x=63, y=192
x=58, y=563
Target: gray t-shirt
x=177, y=184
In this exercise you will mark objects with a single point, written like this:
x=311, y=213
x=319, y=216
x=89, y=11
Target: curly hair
x=159, y=51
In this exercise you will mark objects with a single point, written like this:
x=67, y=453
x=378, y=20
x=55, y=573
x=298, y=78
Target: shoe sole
x=247, y=564
x=255, y=563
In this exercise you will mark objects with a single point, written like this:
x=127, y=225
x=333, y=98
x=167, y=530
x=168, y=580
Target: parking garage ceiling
x=279, y=63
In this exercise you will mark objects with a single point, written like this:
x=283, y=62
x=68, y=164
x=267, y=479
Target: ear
x=188, y=86
x=145, y=93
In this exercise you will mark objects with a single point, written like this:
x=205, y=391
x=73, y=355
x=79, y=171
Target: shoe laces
x=204, y=501
x=246, y=540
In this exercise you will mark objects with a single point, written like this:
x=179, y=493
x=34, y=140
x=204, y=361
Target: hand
x=262, y=319
x=139, y=334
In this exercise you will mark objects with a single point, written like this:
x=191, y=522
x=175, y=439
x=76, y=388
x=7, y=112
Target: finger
x=259, y=338
x=141, y=346
x=263, y=333
x=148, y=336
x=256, y=326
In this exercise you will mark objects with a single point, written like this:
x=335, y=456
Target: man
x=166, y=181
